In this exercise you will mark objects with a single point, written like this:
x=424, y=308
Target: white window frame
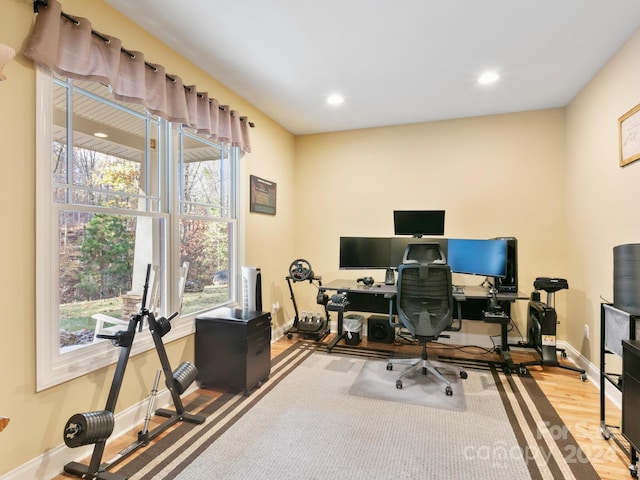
x=53, y=366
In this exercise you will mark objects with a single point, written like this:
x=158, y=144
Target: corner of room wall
x=500, y=175
x=270, y=239
x=602, y=197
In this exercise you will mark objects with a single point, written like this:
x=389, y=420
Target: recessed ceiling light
x=100, y=135
x=335, y=99
x=487, y=78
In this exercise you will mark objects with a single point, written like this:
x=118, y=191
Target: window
x=118, y=190
x=205, y=220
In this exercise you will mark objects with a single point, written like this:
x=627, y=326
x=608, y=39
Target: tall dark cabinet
x=618, y=339
x=233, y=348
x=631, y=391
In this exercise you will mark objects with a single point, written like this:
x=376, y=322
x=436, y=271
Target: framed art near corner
x=262, y=196
x=629, y=136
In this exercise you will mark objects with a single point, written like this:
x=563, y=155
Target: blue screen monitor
x=478, y=257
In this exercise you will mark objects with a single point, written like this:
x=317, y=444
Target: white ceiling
x=394, y=61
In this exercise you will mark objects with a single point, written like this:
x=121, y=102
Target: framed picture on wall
x=629, y=136
x=262, y=195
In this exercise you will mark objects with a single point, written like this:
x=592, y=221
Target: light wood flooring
x=577, y=403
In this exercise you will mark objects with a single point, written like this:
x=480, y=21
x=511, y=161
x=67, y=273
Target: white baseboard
x=593, y=373
x=52, y=462
x=278, y=332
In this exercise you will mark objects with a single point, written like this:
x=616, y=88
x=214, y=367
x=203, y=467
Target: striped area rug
x=312, y=420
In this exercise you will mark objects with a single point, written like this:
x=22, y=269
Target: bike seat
x=550, y=284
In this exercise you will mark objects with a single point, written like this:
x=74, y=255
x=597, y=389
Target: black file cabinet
x=233, y=348
x=631, y=391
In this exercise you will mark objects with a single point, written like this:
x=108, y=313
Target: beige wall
x=501, y=175
x=549, y=178
x=602, y=198
x=269, y=239
x=37, y=419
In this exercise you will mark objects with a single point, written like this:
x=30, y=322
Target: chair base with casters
x=424, y=304
x=425, y=366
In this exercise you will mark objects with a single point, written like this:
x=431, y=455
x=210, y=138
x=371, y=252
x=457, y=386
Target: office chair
x=424, y=303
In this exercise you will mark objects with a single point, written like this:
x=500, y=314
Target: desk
x=352, y=286
x=471, y=300
x=476, y=297
x=481, y=292
x=375, y=298
x=378, y=298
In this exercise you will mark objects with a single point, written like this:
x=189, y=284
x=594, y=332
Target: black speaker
x=379, y=330
x=510, y=282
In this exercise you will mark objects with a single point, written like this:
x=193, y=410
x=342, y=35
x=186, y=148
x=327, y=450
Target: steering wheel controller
x=300, y=270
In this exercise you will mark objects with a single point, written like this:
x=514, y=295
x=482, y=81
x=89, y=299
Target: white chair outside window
x=108, y=325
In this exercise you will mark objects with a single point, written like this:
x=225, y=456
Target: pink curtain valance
x=70, y=47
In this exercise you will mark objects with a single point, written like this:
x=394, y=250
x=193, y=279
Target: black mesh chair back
x=424, y=300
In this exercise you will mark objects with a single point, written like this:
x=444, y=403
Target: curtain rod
x=45, y=3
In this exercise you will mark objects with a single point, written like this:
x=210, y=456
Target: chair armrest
x=101, y=318
x=396, y=324
x=391, y=297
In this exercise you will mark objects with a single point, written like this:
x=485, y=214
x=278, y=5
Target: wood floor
x=577, y=403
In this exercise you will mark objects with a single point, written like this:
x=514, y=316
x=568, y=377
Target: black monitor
x=418, y=222
x=478, y=257
x=363, y=253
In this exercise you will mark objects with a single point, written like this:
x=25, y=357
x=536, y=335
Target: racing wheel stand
x=313, y=327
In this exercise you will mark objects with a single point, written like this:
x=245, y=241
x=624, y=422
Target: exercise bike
x=541, y=327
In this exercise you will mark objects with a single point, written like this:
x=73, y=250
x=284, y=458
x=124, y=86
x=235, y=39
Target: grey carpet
x=315, y=418
x=375, y=381
x=324, y=432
